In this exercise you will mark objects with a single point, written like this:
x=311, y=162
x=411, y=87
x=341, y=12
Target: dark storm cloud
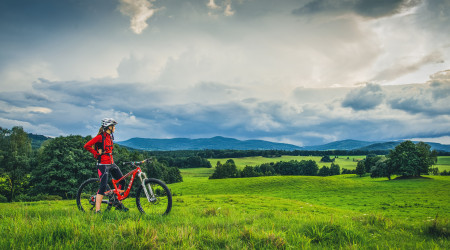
x=365, y=8
x=365, y=98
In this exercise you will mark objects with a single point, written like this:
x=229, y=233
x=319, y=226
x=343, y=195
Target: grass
x=277, y=212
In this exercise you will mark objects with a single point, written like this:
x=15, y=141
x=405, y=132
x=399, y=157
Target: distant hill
x=392, y=144
x=37, y=140
x=217, y=142
x=341, y=145
x=220, y=142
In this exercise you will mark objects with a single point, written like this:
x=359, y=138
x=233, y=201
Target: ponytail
x=101, y=131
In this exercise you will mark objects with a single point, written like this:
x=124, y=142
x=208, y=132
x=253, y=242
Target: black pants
x=103, y=171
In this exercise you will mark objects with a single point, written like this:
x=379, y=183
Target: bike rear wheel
x=87, y=194
x=160, y=202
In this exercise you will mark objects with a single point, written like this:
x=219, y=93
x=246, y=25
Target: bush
x=24, y=197
x=326, y=158
x=3, y=199
x=51, y=197
x=433, y=171
x=445, y=172
x=39, y=197
x=348, y=171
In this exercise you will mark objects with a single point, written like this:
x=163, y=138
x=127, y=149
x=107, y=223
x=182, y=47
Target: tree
x=309, y=168
x=370, y=161
x=15, y=157
x=227, y=170
x=249, y=171
x=63, y=164
x=409, y=159
x=159, y=170
x=267, y=169
x=360, y=168
x=324, y=171
x=326, y=158
x=427, y=158
x=335, y=169
x=381, y=169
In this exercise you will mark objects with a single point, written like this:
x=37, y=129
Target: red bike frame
x=125, y=194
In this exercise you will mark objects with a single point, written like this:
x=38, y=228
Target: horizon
x=374, y=142
x=301, y=72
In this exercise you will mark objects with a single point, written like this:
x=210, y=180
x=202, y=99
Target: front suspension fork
x=149, y=194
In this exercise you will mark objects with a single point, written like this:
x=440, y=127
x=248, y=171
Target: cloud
x=139, y=11
x=365, y=8
x=431, y=99
x=440, y=85
x=210, y=108
x=224, y=7
x=364, y=98
x=403, y=67
x=212, y=5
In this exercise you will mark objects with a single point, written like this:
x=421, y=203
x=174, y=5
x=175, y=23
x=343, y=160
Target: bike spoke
x=161, y=201
x=88, y=193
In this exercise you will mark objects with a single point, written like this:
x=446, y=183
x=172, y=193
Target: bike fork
x=150, y=197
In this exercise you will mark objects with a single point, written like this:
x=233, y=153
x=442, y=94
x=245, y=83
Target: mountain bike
x=152, y=197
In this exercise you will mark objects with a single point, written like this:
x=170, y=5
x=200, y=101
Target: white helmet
x=108, y=122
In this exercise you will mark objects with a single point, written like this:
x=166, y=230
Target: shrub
x=445, y=172
x=39, y=197
x=326, y=158
x=3, y=199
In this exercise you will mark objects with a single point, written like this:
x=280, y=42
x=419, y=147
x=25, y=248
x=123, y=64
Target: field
x=287, y=212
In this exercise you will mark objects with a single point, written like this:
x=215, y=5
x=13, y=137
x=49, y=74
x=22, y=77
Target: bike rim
x=159, y=204
x=88, y=196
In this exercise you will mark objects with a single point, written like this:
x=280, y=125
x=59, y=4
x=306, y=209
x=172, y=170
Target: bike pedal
x=92, y=200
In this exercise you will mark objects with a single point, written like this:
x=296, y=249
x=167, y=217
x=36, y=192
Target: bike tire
x=86, y=191
x=163, y=198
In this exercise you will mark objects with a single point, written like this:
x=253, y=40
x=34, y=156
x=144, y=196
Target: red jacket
x=106, y=156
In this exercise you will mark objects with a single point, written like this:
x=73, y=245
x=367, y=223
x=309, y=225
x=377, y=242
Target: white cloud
x=212, y=5
x=228, y=10
x=225, y=7
x=139, y=11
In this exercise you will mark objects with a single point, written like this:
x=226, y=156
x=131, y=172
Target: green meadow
x=277, y=212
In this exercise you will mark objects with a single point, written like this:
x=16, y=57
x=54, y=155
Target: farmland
x=343, y=211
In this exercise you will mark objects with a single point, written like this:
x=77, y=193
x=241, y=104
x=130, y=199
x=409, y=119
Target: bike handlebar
x=138, y=162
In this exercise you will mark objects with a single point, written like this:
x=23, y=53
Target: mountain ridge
x=219, y=142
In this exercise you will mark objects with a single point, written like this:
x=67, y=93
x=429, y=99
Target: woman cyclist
x=101, y=147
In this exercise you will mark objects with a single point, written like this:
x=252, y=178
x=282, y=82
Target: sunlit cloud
x=139, y=11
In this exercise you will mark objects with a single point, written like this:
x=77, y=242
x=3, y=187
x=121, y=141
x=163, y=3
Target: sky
x=305, y=72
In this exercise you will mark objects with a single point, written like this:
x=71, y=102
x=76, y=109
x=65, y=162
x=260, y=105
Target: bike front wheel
x=159, y=199
x=87, y=194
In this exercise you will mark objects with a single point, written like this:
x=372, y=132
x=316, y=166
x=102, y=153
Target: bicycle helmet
x=108, y=122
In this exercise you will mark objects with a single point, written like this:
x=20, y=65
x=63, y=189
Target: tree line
x=231, y=153
x=406, y=160
x=293, y=167
x=58, y=166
